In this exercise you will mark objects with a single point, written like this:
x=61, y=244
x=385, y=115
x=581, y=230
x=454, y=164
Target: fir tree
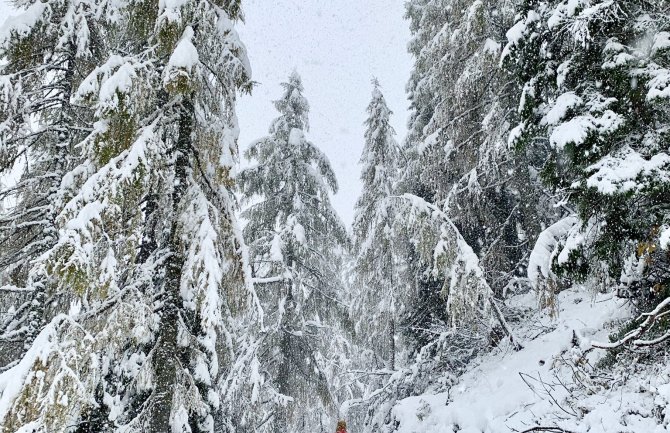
x=296, y=240
x=375, y=261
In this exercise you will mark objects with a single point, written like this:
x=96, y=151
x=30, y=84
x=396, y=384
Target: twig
x=547, y=429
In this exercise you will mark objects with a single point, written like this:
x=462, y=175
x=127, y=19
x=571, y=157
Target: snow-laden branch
x=270, y=280
x=469, y=295
x=15, y=289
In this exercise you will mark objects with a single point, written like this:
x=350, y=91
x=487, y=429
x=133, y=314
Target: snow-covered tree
x=296, y=241
x=594, y=79
x=151, y=324
x=465, y=204
x=471, y=311
x=456, y=155
x=373, y=235
x=46, y=48
x=458, y=138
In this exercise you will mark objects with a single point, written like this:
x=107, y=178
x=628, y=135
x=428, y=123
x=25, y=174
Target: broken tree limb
x=512, y=338
x=634, y=337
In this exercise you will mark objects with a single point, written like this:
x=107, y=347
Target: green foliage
x=180, y=84
x=233, y=7
x=168, y=35
x=69, y=274
x=596, y=58
x=120, y=133
x=610, y=359
x=24, y=52
x=141, y=19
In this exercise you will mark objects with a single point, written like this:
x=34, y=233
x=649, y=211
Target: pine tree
x=152, y=327
x=296, y=240
x=373, y=222
x=594, y=86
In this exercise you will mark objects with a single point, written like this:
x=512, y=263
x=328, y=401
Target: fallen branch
x=501, y=319
x=547, y=429
x=547, y=391
x=633, y=337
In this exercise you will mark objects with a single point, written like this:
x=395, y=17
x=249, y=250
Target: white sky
x=337, y=46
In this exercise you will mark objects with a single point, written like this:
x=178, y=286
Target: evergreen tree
x=375, y=307
x=459, y=142
x=593, y=79
x=456, y=155
x=39, y=126
x=296, y=241
x=152, y=327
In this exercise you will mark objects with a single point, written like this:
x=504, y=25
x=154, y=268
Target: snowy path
x=494, y=398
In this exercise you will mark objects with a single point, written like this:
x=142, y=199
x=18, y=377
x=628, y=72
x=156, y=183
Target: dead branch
x=547, y=429
x=634, y=336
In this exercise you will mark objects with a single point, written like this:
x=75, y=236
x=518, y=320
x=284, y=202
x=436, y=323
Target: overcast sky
x=337, y=46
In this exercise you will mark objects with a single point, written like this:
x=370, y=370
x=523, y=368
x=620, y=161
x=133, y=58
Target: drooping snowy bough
x=450, y=259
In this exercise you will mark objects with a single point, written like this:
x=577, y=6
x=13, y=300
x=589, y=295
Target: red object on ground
x=341, y=427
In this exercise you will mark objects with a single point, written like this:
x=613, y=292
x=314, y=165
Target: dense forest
x=507, y=270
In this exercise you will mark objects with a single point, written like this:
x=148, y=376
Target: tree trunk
x=392, y=342
x=165, y=360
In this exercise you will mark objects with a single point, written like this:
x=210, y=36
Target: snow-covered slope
x=519, y=391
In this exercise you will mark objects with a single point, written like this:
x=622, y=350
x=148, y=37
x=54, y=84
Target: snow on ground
x=496, y=395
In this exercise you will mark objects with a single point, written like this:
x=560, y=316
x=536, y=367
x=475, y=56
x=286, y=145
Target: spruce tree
x=375, y=267
x=593, y=79
x=151, y=325
x=296, y=241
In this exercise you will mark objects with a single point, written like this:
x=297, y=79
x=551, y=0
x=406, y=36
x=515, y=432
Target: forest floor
x=545, y=384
